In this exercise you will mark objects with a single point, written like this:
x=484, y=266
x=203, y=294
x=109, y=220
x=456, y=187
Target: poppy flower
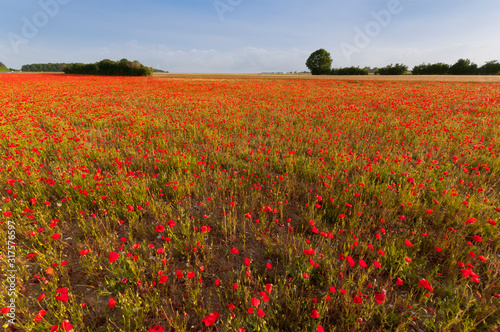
x=269, y=288
x=111, y=303
x=314, y=314
x=40, y=315
x=62, y=297
x=113, y=256
x=408, y=243
x=379, y=297
x=350, y=261
x=66, y=325
x=210, y=319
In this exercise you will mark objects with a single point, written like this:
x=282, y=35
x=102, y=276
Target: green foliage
x=463, y=67
x=490, y=68
x=109, y=68
x=397, y=69
x=431, y=69
x=319, y=62
x=349, y=71
x=3, y=68
x=44, y=67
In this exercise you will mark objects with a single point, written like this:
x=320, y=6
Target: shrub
x=349, y=71
x=397, y=69
x=463, y=67
x=110, y=68
x=431, y=69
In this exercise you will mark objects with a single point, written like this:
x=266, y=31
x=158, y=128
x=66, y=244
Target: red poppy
x=269, y=288
x=210, y=319
x=66, y=325
x=113, y=256
x=314, y=314
x=350, y=261
x=408, y=243
x=379, y=297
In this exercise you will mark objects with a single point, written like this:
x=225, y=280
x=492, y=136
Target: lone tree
x=319, y=62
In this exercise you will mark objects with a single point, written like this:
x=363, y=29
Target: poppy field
x=156, y=204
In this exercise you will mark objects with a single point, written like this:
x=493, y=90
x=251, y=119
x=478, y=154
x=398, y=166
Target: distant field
x=261, y=203
x=430, y=78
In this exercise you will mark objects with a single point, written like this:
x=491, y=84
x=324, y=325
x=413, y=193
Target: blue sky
x=248, y=36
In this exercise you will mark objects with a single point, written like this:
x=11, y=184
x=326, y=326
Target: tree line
x=106, y=67
x=44, y=67
x=109, y=68
x=320, y=62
